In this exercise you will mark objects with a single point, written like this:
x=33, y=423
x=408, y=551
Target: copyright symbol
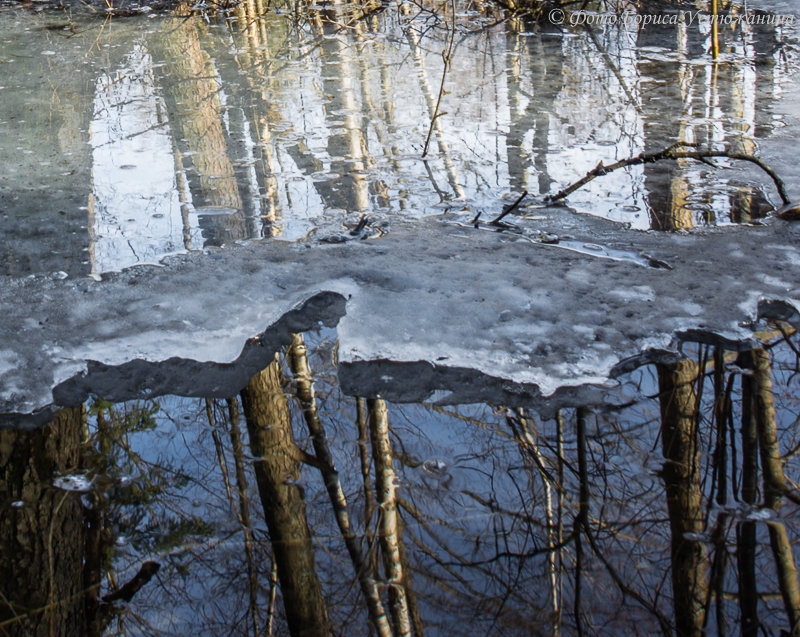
x=556, y=16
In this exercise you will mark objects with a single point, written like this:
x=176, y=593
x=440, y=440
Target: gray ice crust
x=459, y=298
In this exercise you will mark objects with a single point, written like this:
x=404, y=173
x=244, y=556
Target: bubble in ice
x=78, y=483
x=435, y=466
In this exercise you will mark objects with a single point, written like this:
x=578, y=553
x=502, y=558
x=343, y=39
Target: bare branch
x=671, y=152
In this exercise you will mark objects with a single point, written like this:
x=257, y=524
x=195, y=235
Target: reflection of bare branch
x=663, y=622
x=746, y=531
x=128, y=590
x=459, y=559
x=494, y=507
x=581, y=520
x=436, y=126
x=273, y=594
x=364, y=458
x=719, y=566
x=775, y=486
x=787, y=332
x=721, y=406
x=445, y=565
x=244, y=510
x=517, y=556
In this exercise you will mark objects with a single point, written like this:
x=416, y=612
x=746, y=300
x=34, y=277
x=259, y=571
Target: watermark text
x=629, y=19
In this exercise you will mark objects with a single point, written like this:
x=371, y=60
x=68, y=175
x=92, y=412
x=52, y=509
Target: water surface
x=511, y=523
x=130, y=138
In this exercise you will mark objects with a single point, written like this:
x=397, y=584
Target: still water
x=281, y=509
x=127, y=138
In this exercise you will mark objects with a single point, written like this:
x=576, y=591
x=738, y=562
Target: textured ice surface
x=462, y=300
x=77, y=482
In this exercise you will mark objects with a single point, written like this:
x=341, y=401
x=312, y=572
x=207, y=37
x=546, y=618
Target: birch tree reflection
x=670, y=509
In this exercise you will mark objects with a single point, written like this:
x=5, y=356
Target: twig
x=508, y=209
x=787, y=337
x=363, y=221
x=671, y=152
x=447, y=55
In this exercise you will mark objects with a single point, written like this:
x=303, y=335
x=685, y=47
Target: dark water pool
x=671, y=507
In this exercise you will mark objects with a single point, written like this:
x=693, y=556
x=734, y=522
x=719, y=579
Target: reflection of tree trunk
x=526, y=434
x=252, y=72
x=377, y=116
x=774, y=480
x=298, y=360
x=582, y=519
x=684, y=498
x=193, y=92
x=787, y=573
x=364, y=458
x=721, y=419
x=43, y=540
x=99, y=536
x=719, y=564
x=277, y=474
x=774, y=484
x=348, y=148
x=559, y=537
x=385, y=487
x=746, y=532
x=413, y=607
x=244, y=510
x=517, y=154
x=547, y=71
x=665, y=186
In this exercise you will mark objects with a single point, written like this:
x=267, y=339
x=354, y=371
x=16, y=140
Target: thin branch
x=447, y=55
x=787, y=337
x=672, y=152
x=507, y=209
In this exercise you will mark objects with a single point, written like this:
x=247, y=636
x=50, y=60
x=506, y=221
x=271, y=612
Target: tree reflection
x=42, y=576
x=681, y=475
x=625, y=518
x=277, y=470
x=278, y=121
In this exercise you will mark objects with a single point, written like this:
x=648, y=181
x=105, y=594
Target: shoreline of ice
x=514, y=311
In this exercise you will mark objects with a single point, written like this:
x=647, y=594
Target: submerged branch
x=672, y=152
